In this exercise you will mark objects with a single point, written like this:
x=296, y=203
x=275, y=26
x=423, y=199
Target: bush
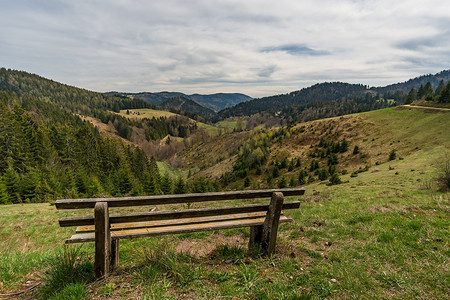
x=335, y=179
x=392, y=155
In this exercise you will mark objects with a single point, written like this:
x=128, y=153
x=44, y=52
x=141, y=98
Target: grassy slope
x=152, y=113
x=146, y=113
x=382, y=234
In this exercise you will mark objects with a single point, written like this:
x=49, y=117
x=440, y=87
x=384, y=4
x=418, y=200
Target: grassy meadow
x=383, y=234
x=146, y=113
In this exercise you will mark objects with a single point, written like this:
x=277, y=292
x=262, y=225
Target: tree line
x=426, y=92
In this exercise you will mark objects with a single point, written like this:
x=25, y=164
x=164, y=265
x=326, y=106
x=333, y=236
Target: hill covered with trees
x=215, y=102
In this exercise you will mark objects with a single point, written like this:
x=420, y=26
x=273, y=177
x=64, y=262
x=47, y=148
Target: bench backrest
x=175, y=199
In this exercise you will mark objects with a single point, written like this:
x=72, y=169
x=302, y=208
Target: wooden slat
x=136, y=225
x=174, y=199
x=177, y=214
x=134, y=233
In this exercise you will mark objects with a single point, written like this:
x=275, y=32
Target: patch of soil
x=200, y=248
x=434, y=111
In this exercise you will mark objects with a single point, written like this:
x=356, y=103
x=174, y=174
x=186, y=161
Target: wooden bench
x=106, y=230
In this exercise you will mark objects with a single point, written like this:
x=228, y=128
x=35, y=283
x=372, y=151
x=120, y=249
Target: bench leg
x=102, y=240
x=270, y=227
x=255, y=241
x=114, y=253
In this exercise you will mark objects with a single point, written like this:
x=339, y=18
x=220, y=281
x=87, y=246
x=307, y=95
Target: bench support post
x=270, y=226
x=114, y=252
x=255, y=241
x=102, y=240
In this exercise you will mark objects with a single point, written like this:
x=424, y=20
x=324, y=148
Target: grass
x=383, y=234
x=146, y=113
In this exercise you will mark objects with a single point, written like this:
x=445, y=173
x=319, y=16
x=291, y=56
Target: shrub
x=335, y=179
x=392, y=155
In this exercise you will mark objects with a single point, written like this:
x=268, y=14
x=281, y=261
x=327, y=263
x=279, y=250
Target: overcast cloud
x=256, y=47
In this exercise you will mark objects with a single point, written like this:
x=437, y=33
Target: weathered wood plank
x=270, y=227
x=174, y=199
x=171, y=222
x=89, y=237
x=102, y=240
x=177, y=214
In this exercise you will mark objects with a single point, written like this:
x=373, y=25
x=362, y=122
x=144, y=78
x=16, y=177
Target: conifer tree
x=411, y=96
x=166, y=184
x=302, y=177
x=444, y=97
x=439, y=89
x=282, y=183
x=11, y=180
x=4, y=196
x=180, y=186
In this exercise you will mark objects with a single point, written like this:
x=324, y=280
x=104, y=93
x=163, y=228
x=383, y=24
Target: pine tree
x=421, y=92
x=4, y=196
x=180, y=186
x=246, y=182
x=282, y=183
x=335, y=179
x=444, y=97
x=411, y=96
x=292, y=182
x=302, y=177
x=392, y=155
x=428, y=92
x=343, y=147
x=323, y=174
x=11, y=180
x=439, y=90
x=29, y=184
x=166, y=184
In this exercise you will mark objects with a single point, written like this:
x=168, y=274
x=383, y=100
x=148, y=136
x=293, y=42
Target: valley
x=373, y=222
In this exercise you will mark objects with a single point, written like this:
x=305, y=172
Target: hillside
x=71, y=98
x=264, y=158
x=322, y=92
x=187, y=107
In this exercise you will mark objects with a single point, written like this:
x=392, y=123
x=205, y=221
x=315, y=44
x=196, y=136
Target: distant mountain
x=214, y=102
x=188, y=107
x=220, y=101
x=322, y=92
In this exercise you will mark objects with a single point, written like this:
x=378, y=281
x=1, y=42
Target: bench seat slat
x=152, y=231
x=176, y=214
x=136, y=225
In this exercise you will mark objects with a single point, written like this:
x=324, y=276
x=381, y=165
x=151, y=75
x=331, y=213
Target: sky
x=256, y=47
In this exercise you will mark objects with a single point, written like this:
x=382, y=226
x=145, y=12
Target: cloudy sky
x=256, y=47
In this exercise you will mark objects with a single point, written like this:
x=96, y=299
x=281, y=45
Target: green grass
x=146, y=113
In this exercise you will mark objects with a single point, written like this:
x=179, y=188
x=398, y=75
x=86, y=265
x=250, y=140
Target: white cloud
x=255, y=47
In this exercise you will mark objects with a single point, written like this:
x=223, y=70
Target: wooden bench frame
x=106, y=230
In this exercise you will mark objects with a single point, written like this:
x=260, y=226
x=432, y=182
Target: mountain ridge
x=215, y=102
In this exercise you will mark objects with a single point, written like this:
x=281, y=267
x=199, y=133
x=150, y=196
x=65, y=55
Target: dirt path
x=429, y=107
